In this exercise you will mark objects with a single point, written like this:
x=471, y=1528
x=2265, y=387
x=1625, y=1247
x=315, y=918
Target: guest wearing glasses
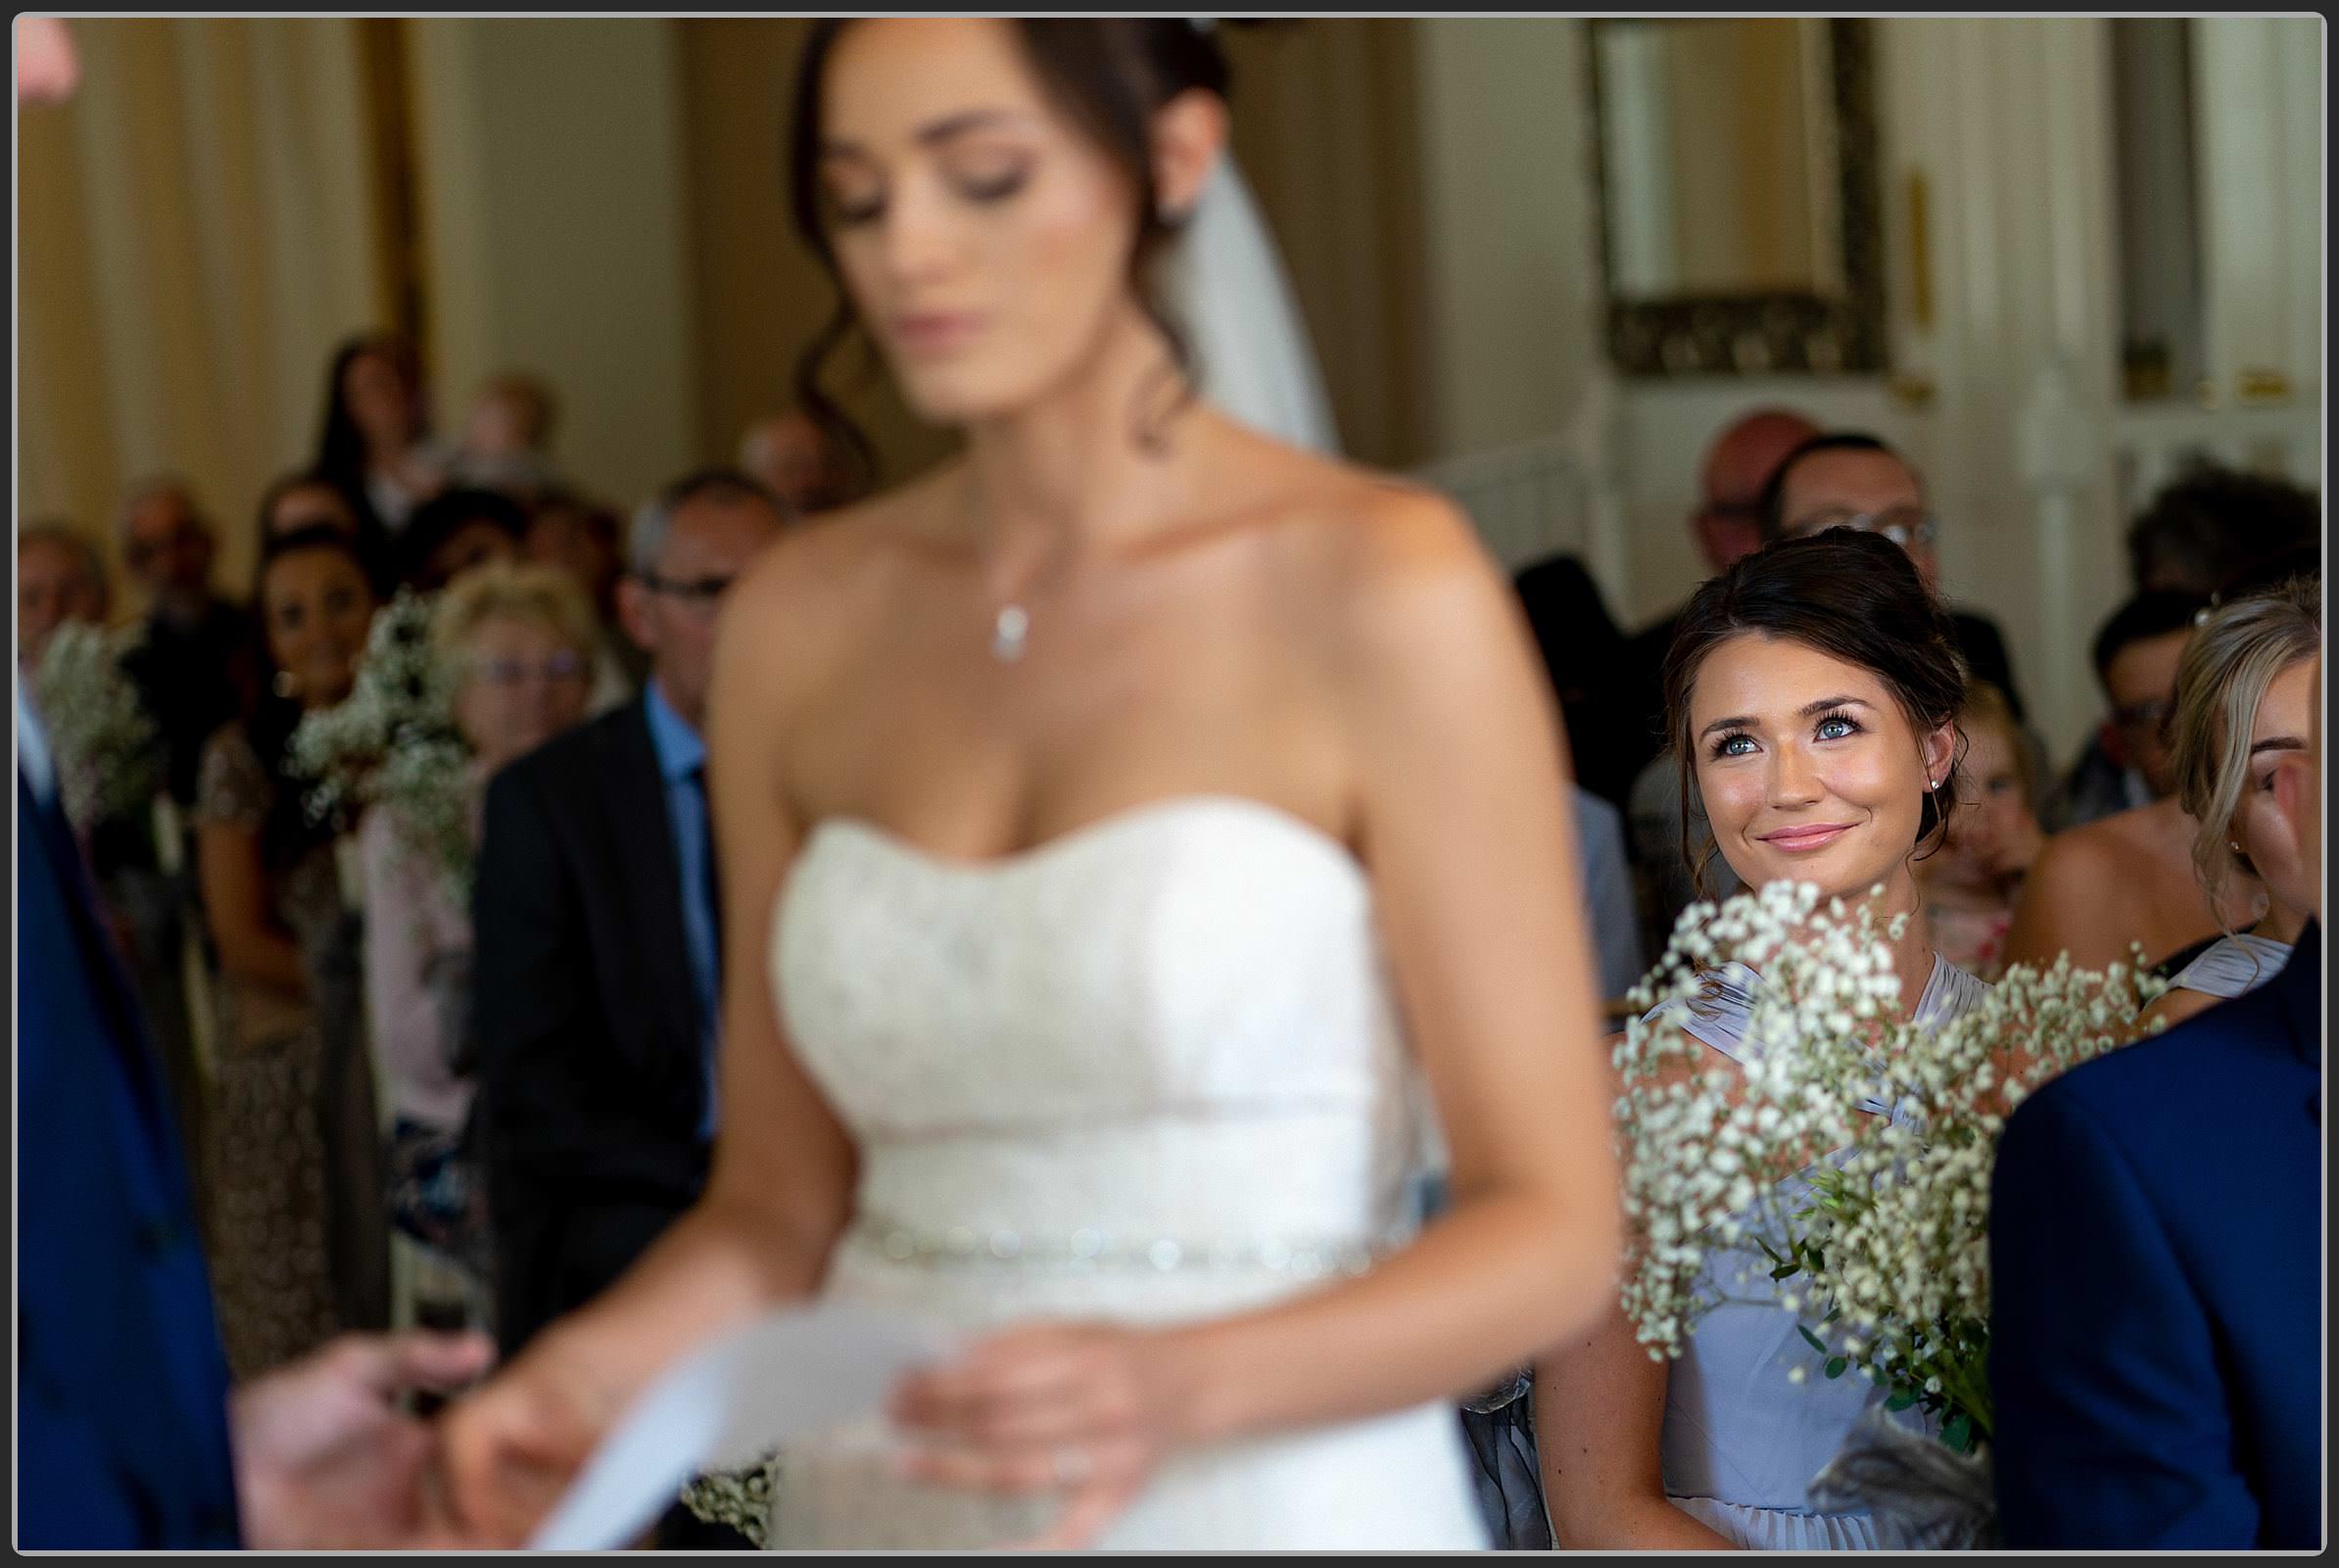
x=1847, y=479
x=2127, y=765
x=595, y=971
x=517, y=645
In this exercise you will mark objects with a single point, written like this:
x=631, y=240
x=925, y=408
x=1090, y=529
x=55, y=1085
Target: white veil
x=1228, y=287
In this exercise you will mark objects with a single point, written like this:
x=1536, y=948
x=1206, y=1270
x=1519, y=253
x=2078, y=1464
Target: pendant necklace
x=1008, y=633
x=1010, y=624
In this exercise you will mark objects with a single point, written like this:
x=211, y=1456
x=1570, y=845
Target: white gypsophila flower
x=109, y=756
x=393, y=744
x=1849, y=1150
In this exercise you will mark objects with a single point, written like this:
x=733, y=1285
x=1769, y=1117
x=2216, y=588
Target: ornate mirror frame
x=1765, y=333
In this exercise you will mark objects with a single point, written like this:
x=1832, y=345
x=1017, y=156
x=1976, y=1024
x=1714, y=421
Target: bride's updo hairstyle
x=1108, y=76
x=1850, y=594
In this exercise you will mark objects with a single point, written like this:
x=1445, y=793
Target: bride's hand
x=512, y=1447
x=1087, y=1412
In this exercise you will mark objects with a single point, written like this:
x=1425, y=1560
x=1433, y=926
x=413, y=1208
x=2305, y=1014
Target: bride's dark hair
x=1850, y=594
x=1109, y=75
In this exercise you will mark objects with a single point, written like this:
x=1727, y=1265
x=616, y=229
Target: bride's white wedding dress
x=1147, y=1072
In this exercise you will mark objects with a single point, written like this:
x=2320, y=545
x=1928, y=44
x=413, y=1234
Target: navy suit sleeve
x=2112, y=1424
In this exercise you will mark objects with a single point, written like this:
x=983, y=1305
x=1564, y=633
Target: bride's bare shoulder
x=821, y=575
x=1382, y=553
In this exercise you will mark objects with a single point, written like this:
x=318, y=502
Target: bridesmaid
x=1811, y=693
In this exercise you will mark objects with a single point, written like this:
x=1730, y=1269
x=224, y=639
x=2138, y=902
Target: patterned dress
x=298, y=1238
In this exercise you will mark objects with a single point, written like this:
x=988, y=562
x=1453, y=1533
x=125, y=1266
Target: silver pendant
x=1007, y=635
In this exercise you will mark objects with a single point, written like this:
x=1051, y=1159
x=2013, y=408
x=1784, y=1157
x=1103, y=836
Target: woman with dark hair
x=376, y=443
x=455, y=530
x=300, y=1239
x=1811, y=698
x=1118, y=824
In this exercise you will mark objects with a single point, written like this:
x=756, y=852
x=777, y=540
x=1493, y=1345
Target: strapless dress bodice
x=1150, y=1072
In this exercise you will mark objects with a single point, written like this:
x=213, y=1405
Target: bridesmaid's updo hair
x=1850, y=594
x=1108, y=76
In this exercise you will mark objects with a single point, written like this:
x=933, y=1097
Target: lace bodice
x=1118, y=1032
x=1150, y=1072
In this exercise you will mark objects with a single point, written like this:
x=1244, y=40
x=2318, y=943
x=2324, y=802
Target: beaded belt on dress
x=1087, y=1248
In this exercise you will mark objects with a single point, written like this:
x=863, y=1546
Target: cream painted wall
x=1509, y=281
x=557, y=229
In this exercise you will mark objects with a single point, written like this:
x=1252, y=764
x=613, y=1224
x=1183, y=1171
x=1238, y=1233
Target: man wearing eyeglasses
x=1850, y=480
x=595, y=973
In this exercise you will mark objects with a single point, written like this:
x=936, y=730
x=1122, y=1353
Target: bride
x=1120, y=826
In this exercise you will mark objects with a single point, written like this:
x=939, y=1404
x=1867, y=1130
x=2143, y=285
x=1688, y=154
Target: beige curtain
x=1327, y=130
x=197, y=229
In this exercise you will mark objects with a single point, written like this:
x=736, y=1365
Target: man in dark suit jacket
x=2156, y=1259
x=594, y=978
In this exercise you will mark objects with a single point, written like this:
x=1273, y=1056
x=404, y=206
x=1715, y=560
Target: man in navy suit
x=2156, y=1259
x=127, y=1435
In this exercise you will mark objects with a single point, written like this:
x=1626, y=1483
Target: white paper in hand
x=792, y=1374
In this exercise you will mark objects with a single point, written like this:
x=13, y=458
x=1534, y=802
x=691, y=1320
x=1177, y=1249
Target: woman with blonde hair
x=2244, y=696
x=516, y=644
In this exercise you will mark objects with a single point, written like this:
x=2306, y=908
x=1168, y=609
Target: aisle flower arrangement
x=111, y=758
x=393, y=743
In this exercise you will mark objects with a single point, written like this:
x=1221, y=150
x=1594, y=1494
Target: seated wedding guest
x=193, y=665
x=1727, y=526
x=583, y=539
x=2127, y=763
x=2214, y=525
x=1970, y=884
x=1610, y=914
x=516, y=644
x=595, y=978
x=2126, y=880
x=60, y=577
x=1847, y=479
x=301, y=499
x=2241, y=708
x=298, y=1243
x=376, y=443
x=508, y=440
x=790, y=455
x=455, y=530
x=2156, y=1267
x=193, y=670
x=1812, y=692
x=1582, y=653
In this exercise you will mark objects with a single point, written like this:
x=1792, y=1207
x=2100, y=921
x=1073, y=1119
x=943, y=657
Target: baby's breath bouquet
x=111, y=758
x=1849, y=1148
x=393, y=743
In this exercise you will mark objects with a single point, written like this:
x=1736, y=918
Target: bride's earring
x=287, y=685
